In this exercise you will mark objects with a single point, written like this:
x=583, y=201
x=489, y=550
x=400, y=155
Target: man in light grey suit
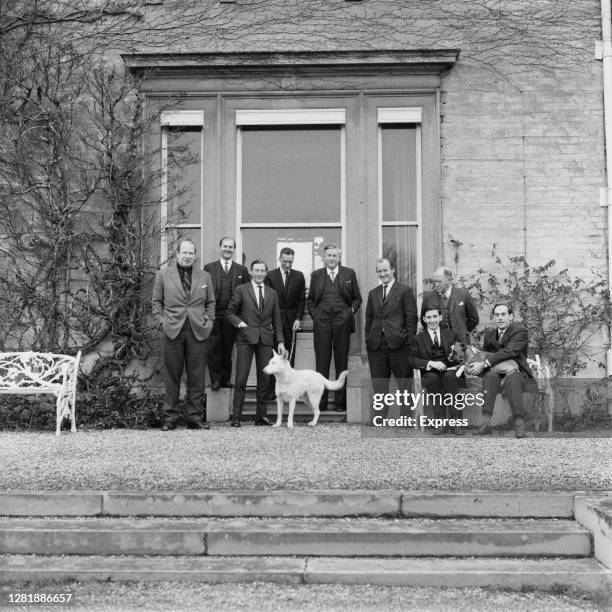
x=184, y=309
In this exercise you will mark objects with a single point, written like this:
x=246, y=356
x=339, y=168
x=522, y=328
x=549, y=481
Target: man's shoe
x=235, y=423
x=519, y=428
x=440, y=431
x=340, y=409
x=227, y=385
x=168, y=426
x=263, y=422
x=485, y=429
x=215, y=385
x=197, y=425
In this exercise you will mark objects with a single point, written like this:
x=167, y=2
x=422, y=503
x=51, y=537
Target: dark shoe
x=227, y=385
x=440, y=431
x=485, y=429
x=215, y=385
x=168, y=426
x=197, y=425
x=235, y=423
x=340, y=409
x=271, y=397
x=519, y=428
x=263, y=422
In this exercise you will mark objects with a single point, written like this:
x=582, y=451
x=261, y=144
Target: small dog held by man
x=464, y=354
x=292, y=384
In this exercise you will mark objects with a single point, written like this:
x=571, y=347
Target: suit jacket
x=238, y=273
x=463, y=312
x=172, y=306
x=261, y=328
x=397, y=316
x=421, y=347
x=347, y=283
x=512, y=346
x=292, y=298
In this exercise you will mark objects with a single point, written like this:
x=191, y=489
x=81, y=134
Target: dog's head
x=278, y=363
x=457, y=353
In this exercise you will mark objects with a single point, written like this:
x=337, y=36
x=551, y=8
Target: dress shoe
x=215, y=385
x=197, y=425
x=340, y=409
x=485, y=429
x=168, y=426
x=227, y=385
x=235, y=423
x=519, y=428
x=263, y=422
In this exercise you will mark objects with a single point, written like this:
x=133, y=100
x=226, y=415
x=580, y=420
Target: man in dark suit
x=459, y=313
x=333, y=300
x=255, y=313
x=290, y=286
x=429, y=351
x=184, y=309
x=509, y=340
x=226, y=276
x=391, y=321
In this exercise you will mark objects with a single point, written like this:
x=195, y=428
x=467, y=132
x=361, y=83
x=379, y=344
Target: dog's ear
x=285, y=354
x=274, y=353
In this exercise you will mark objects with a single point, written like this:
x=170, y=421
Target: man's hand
x=281, y=348
x=296, y=325
x=437, y=365
x=476, y=368
x=242, y=325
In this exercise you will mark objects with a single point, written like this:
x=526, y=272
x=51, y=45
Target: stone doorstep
x=320, y=537
x=543, y=574
x=595, y=513
x=333, y=502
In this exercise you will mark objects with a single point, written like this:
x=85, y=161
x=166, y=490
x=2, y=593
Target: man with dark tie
x=459, y=314
x=255, y=313
x=333, y=300
x=290, y=286
x=429, y=351
x=183, y=304
x=226, y=276
x=391, y=321
x=509, y=340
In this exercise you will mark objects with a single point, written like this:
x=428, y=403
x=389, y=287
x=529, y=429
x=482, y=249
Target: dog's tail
x=334, y=385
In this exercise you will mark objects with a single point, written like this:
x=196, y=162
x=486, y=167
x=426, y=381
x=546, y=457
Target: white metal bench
x=33, y=373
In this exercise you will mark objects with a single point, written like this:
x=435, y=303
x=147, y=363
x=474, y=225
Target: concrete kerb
x=283, y=503
x=595, y=514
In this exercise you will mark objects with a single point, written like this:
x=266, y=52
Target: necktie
x=332, y=276
x=226, y=266
x=501, y=335
x=186, y=281
x=285, y=277
x=384, y=293
x=260, y=299
x=435, y=342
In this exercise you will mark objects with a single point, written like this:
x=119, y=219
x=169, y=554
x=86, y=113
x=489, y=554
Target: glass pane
x=291, y=174
x=307, y=242
x=184, y=175
x=400, y=248
x=399, y=173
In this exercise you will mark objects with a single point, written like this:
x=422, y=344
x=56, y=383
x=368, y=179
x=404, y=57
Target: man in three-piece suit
x=391, y=321
x=255, y=313
x=333, y=300
x=509, y=340
x=290, y=286
x=459, y=314
x=184, y=309
x=226, y=276
x=429, y=351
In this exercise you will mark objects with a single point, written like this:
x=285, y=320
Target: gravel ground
x=328, y=456
x=255, y=597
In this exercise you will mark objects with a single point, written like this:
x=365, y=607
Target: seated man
x=508, y=340
x=429, y=351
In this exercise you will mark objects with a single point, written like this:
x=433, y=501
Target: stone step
x=286, y=503
x=300, y=537
x=516, y=573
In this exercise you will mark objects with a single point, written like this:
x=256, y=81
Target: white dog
x=292, y=384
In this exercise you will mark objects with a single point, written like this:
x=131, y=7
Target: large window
x=291, y=178
x=399, y=191
x=182, y=178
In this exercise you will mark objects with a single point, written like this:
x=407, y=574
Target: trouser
x=438, y=387
x=244, y=358
x=184, y=351
x=514, y=384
